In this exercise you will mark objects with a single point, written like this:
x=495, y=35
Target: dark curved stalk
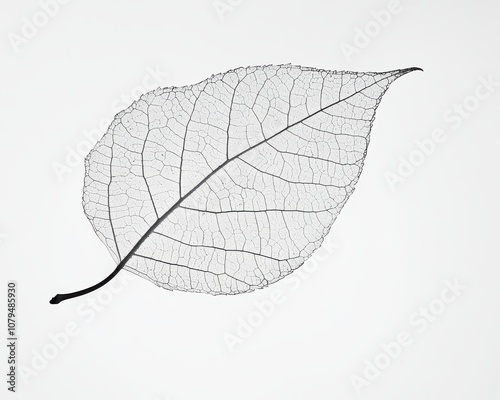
x=61, y=297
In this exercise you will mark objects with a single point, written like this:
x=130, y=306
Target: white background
x=393, y=247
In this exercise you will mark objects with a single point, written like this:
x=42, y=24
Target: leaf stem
x=61, y=297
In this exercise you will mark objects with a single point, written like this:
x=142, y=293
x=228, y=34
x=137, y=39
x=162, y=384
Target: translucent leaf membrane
x=229, y=185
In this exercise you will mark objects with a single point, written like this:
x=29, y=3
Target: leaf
x=229, y=185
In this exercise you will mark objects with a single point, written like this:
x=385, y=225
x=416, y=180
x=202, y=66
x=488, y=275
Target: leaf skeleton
x=229, y=185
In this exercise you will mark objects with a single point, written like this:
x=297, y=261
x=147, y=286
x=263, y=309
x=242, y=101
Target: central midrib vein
x=182, y=198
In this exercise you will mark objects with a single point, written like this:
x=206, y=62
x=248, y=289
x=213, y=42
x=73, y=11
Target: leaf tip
x=400, y=72
x=55, y=300
x=407, y=70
